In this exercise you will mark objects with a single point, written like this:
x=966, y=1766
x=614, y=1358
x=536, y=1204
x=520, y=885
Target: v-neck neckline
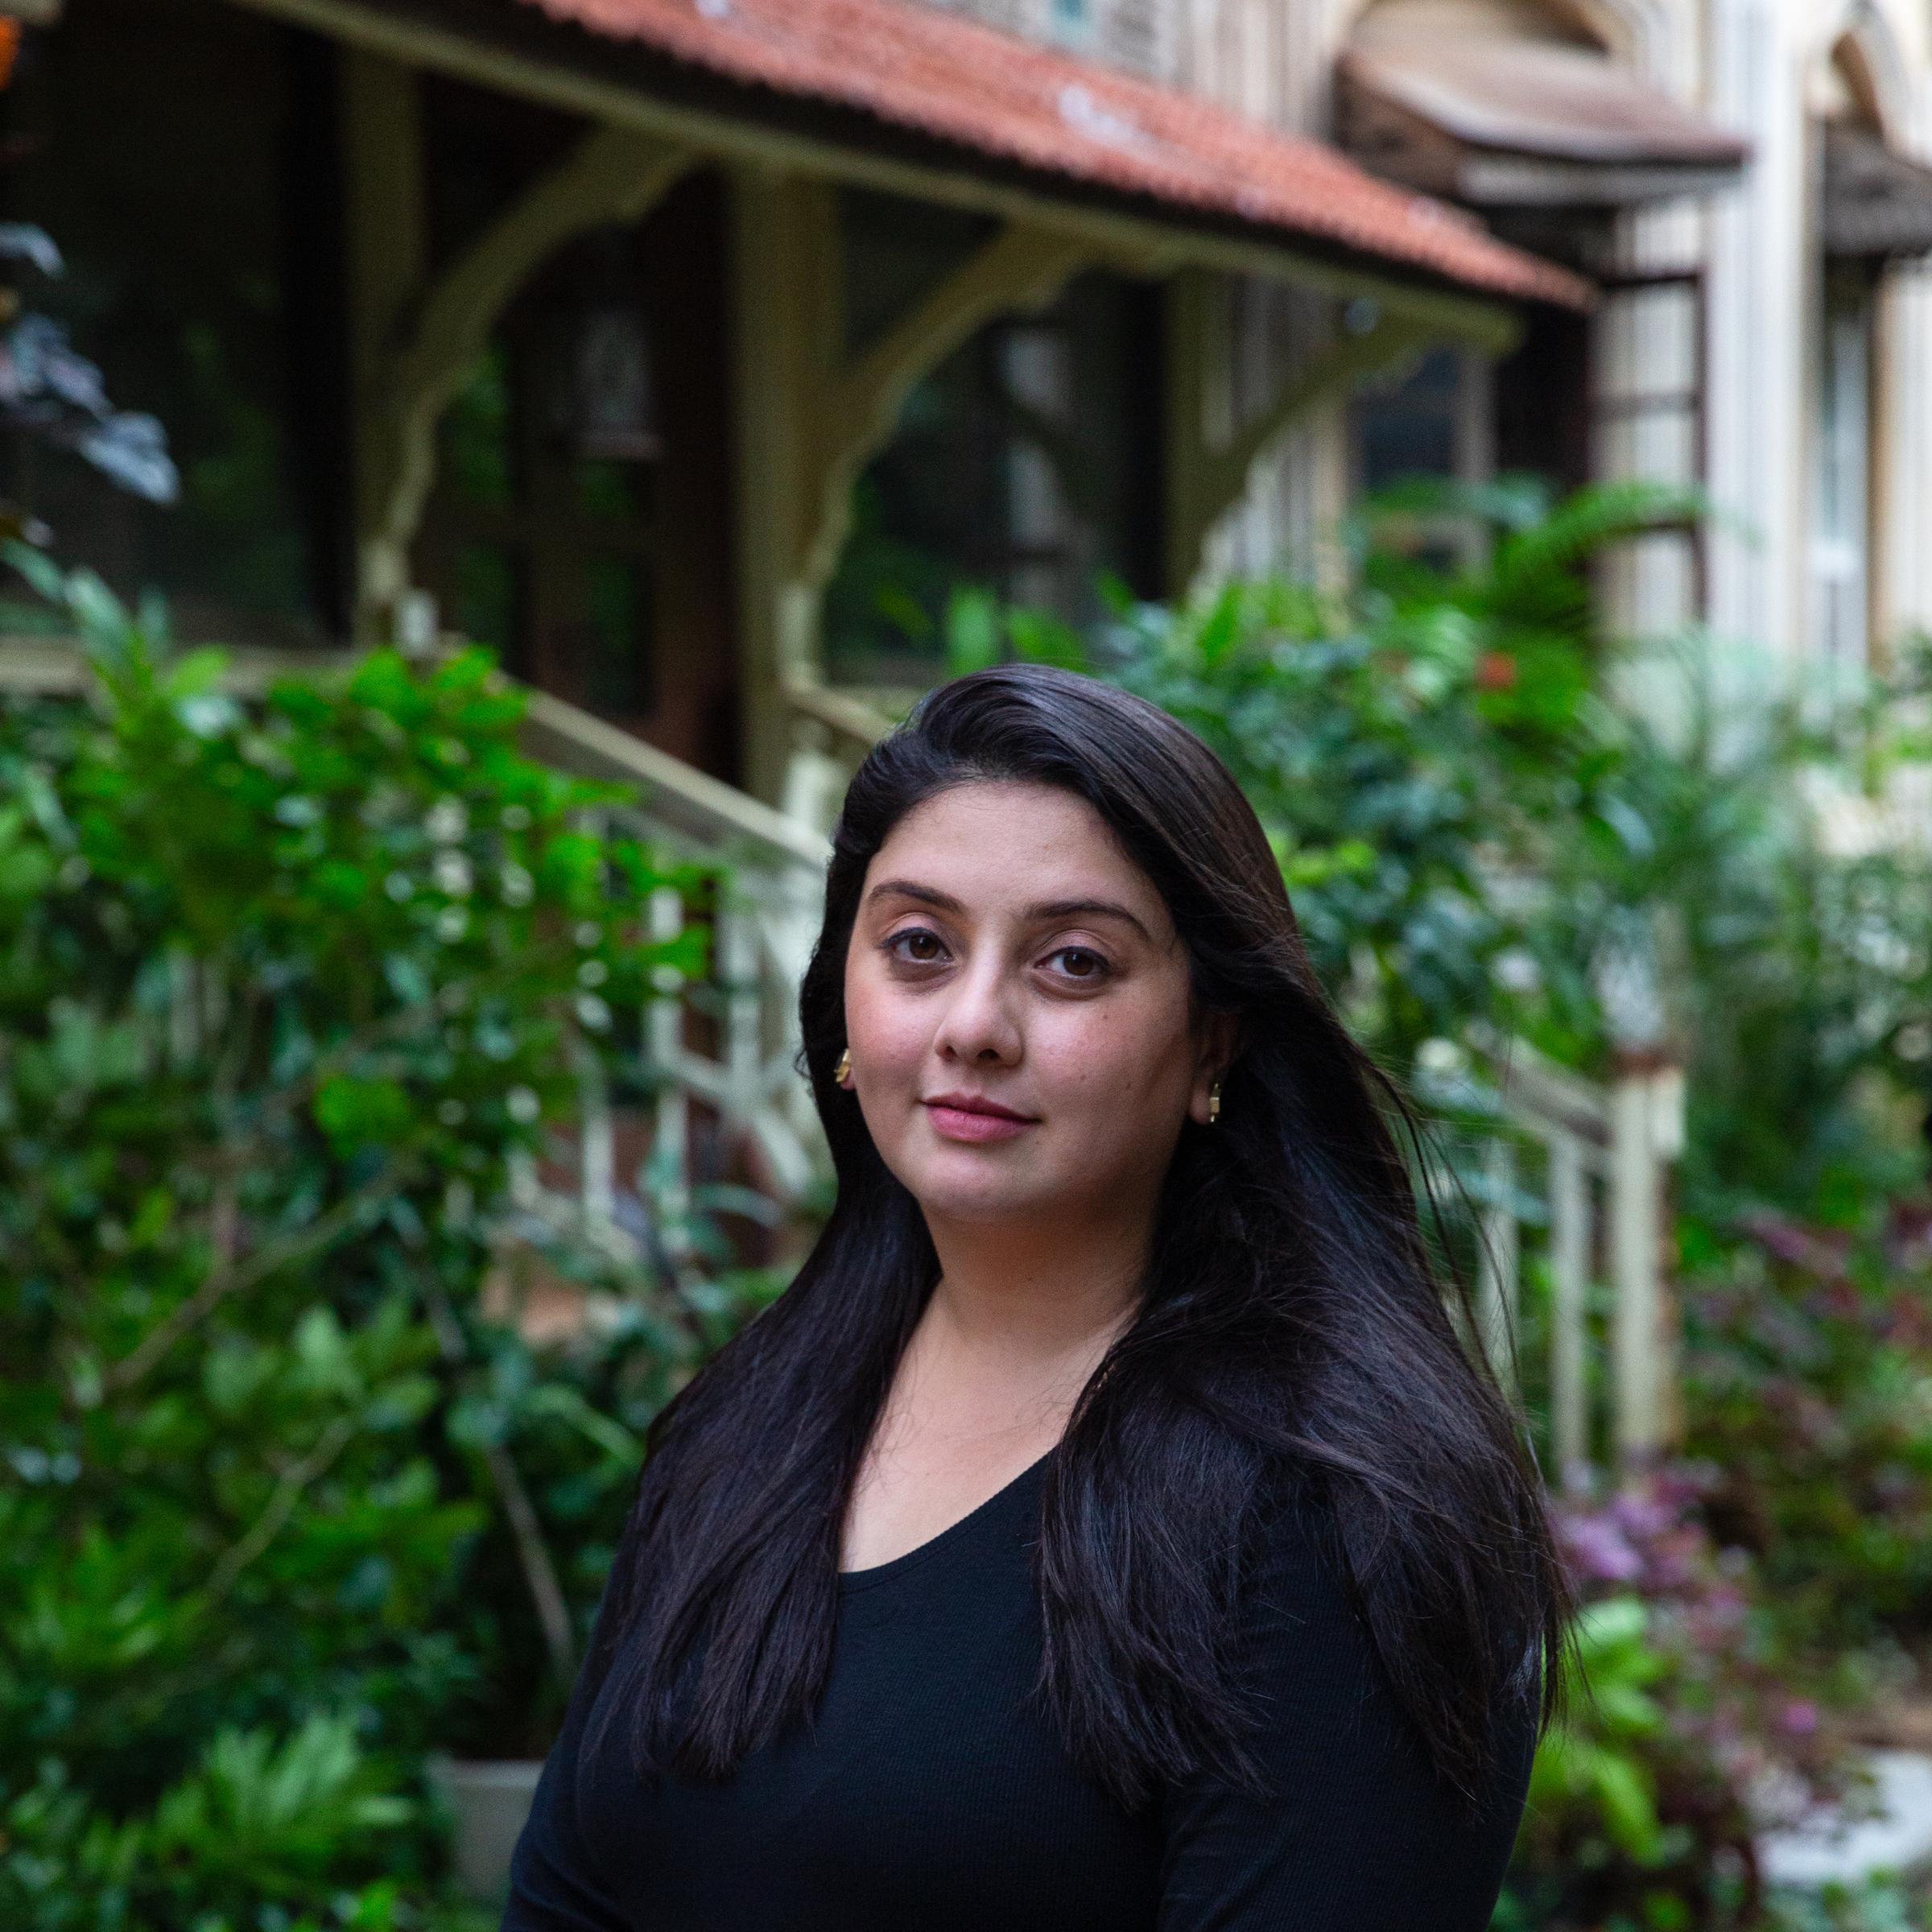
x=852, y=1581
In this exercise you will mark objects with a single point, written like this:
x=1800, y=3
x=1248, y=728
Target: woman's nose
x=979, y=1027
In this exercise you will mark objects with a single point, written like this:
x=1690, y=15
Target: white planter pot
x=488, y=1802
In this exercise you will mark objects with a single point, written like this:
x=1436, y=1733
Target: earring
x=841, y=1074
x=1214, y=1103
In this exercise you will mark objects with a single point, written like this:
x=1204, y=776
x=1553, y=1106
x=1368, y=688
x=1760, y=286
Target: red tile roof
x=914, y=67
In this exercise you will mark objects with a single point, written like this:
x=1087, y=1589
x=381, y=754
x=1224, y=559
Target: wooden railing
x=1584, y=1169
x=771, y=873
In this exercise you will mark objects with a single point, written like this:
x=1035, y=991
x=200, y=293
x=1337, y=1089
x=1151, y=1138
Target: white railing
x=771, y=874
x=1599, y=1215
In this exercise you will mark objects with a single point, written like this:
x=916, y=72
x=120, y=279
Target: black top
x=930, y=1793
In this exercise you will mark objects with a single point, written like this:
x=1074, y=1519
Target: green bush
x=1808, y=1366
x=1683, y=1694
x=290, y=992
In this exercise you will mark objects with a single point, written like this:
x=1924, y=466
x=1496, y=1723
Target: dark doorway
x=581, y=521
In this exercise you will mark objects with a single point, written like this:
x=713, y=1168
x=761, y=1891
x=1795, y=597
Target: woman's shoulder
x=1306, y=1641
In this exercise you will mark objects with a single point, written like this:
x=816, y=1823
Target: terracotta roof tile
x=913, y=66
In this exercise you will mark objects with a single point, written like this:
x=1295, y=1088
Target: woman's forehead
x=1005, y=841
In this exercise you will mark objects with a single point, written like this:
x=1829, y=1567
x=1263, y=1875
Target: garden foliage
x=293, y=993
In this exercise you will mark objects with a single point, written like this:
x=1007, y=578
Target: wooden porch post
x=809, y=415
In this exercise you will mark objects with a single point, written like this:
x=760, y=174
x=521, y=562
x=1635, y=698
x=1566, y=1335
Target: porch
x=581, y=333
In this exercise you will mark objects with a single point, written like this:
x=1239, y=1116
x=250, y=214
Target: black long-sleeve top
x=930, y=1792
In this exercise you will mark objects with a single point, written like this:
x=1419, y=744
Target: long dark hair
x=1294, y=1348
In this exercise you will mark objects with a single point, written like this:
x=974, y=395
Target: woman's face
x=1017, y=1009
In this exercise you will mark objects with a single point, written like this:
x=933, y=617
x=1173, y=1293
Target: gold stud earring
x=1214, y=1103
x=841, y=1074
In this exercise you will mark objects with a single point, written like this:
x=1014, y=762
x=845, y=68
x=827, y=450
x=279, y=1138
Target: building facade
x=1763, y=331
x=711, y=359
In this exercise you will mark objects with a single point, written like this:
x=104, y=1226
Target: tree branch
x=532, y=1555
x=527, y=1531
x=288, y=1493
x=225, y=1278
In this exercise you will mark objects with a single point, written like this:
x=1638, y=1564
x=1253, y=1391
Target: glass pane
x=617, y=613
x=1026, y=465
x=1647, y=342
x=1410, y=431
x=607, y=486
x=1841, y=540
x=1657, y=444
x=1651, y=582
x=478, y=457
x=895, y=251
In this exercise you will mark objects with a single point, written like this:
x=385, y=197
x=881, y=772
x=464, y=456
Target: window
x=1027, y=465
x=581, y=521
x=1419, y=426
x=183, y=156
x=542, y=538
x=1841, y=526
x=1433, y=424
x=1649, y=350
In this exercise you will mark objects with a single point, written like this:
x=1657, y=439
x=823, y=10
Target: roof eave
x=513, y=47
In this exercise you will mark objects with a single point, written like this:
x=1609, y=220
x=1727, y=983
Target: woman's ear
x=1221, y=1046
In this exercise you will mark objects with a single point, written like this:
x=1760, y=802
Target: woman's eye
x=919, y=947
x=1077, y=963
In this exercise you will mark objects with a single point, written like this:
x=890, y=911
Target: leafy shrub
x=292, y=995
x=1645, y=1801
x=1882, y=1903
x=1810, y=1370
x=1789, y=954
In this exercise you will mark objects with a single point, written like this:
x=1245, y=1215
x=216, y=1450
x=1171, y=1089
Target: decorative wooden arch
x=809, y=414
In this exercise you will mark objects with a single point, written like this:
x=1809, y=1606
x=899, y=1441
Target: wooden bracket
x=1018, y=268
x=1210, y=462
x=811, y=413
x=613, y=176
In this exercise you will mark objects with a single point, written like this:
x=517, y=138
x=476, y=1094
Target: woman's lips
x=956, y=1116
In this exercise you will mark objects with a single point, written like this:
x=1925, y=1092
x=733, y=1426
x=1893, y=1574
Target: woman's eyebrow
x=909, y=889
x=1045, y=912
x=1090, y=909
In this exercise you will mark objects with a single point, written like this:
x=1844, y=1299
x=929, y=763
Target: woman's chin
x=974, y=1184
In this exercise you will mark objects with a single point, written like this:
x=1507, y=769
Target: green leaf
x=357, y=1113
x=973, y=630
x=1038, y=638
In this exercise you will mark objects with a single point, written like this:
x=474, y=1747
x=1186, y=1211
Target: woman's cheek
x=889, y=1046
x=1096, y=1066
x=892, y=1046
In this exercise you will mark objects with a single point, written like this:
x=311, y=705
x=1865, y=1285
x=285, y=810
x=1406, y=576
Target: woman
x=1106, y=1530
